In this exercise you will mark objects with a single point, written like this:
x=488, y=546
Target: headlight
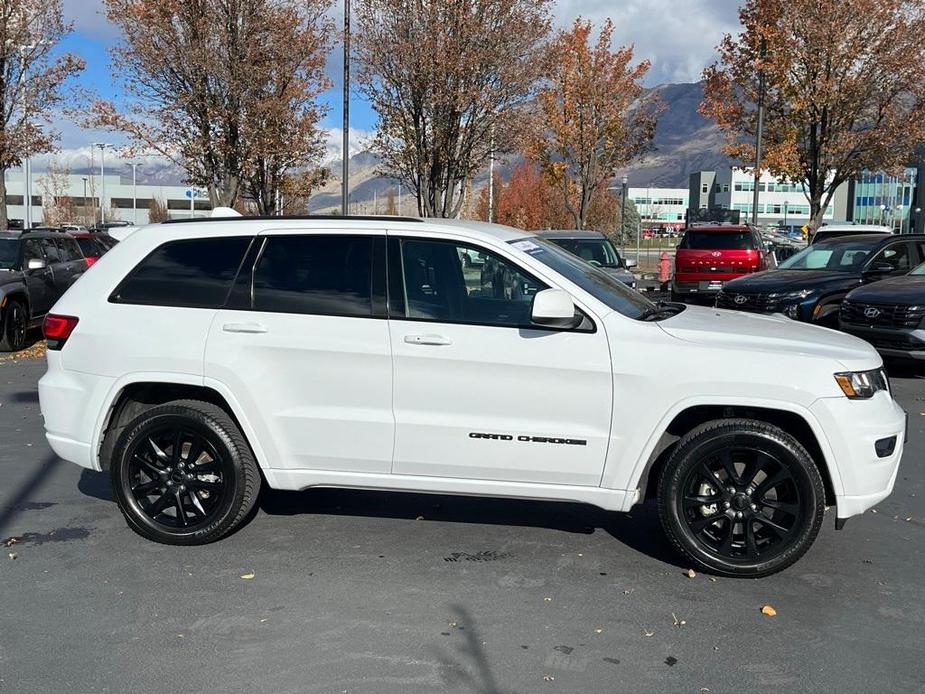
x=861, y=385
x=802, y=294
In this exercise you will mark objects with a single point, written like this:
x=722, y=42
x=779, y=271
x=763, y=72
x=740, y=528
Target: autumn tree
x=226, y=89
x=58, y=207
x=32, y=81
x=591, y=114
x=447, y=79
x=845, y=89
x=390, y=207
x=157, y=211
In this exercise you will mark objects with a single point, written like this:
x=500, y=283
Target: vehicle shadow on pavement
x=639, y=530
x=15, y=502
x=95, y=484
x=456, y=672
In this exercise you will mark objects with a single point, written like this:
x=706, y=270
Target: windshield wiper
x=662, y=308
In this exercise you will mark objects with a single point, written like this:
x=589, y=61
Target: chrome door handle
x=244, y=328
x=427, y=340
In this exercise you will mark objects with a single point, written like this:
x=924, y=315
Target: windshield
x=834, y=256
x=717, y=240
x=596, y=282
x=598, y=252
x=9, y=253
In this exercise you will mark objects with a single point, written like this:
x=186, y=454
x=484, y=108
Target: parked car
x=352, y=352
x=889, y=314
x=595, y=248
x=36, y=268
x=810, y=285
x=709, y=255
x=831, y=231
x=93, y=245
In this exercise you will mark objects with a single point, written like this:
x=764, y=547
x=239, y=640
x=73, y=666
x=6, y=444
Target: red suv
x=711, y=254
x=93, y=244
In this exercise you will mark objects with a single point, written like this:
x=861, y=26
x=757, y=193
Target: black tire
x=187, y=494
x=14, y=327
x=741, y=498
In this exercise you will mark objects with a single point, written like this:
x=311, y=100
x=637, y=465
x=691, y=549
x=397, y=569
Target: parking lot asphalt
x=384, y=592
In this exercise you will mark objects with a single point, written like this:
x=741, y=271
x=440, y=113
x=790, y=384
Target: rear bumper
x=71, y=402
x=852, y=428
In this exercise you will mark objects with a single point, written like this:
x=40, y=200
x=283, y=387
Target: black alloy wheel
x=15, y=325
x=177, y=476
x=741, y=498
x=182, y=473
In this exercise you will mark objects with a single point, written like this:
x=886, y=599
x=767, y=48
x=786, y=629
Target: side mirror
x=554, y=308
x=36, y=264
x=630, y=263
x=879, y=268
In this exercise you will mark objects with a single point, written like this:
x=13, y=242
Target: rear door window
x=195, y=273
x=315, y=274
x=69, y=249
x=52, y=253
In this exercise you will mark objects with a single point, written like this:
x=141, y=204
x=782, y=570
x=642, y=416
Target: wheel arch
x=794, y=420
x=131, y=397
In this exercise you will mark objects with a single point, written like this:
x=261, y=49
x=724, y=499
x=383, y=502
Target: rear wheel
x=741, y=498
x=15, y=324
x=183, y=474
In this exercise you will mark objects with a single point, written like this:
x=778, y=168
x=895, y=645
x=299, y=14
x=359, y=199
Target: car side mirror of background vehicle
x=630, y=263
x=554, y=308
x=879, y=269
x=36, y=264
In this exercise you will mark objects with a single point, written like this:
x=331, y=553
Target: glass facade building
x=881, y=198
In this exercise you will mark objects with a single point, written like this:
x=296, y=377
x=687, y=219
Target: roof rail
x=312, y=217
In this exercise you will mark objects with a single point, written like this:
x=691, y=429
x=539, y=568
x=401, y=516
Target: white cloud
x=359, y=141
x=89, y=18
x=678, y=36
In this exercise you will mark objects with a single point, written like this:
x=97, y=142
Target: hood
x=740, y=331
x=905, y=290
x=792, y=280
x=620, y=273
x=10, y=277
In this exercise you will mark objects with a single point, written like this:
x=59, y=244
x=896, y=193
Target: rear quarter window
x=195, y=273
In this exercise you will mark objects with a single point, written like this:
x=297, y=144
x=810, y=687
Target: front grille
x=756, y=303
x=889, y=316
x=899, y=341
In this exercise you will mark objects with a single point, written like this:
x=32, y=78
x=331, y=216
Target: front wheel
x=183, y=474
x=741, y=498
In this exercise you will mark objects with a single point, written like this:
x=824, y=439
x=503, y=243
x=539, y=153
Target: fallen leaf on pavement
x=598, y=630
x=11, y=541
x=548, y=678
x=419, y=518
x=248, y=576
x=691, y=573
x=12, y=555
x=768, y=611
x=647, y=633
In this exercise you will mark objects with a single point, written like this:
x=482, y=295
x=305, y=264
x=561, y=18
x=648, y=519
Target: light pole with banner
x=623, y=182
x=134, y=166
x=102, y=146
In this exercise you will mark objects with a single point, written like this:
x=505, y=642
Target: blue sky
x=678, y=36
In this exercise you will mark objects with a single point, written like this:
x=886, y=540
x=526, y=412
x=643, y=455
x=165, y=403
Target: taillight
x=57, y=329
x=91, y=259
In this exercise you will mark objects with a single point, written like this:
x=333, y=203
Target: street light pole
x=102, y=146
x=84, y=205
x=134, y=193
x=623, y=182
x=345, y=175
x=759, y=134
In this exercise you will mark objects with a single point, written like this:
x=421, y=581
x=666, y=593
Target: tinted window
x=32, y=249
x=69, y=249
x=9, y=253
x=898, y=255
x=89, y=247
x=326, y=275
x=195, y=273
x=442, y=284
x=51, y=251
x=718, y=240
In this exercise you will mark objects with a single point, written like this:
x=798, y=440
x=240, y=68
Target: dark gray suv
x=36, y=268
x=594, y=248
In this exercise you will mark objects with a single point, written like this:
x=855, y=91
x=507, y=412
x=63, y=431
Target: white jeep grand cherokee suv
x=199, y=360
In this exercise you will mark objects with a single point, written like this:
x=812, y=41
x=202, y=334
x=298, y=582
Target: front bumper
x=908, y=343
x=861, y=477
